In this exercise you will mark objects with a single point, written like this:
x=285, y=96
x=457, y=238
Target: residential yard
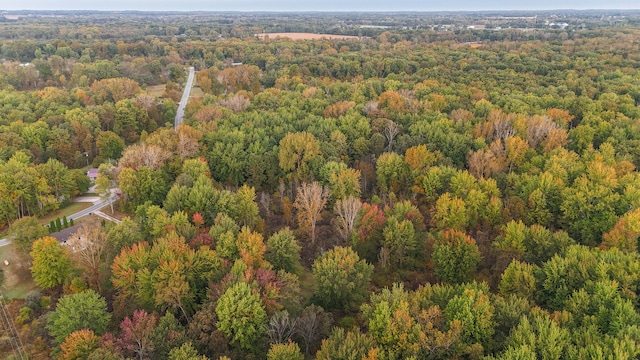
x=66, y=211
x=16, y=280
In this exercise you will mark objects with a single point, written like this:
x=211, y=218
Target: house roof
x=65, y=234
x=92, y=172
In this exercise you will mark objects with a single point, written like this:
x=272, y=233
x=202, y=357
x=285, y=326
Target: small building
x=92, y=174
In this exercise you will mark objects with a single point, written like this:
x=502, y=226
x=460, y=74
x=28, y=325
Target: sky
x=317, y=5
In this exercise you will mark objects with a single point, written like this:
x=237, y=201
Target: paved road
x=185, y=98
x=95, y=207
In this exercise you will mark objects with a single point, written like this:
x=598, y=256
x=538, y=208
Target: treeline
x=390, y=198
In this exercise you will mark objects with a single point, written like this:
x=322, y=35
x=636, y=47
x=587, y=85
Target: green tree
x=143, y=185
x=451, y=213
x=399, y=241
x=84, y=310
x=283, y=251
x=185, y=352
x=241, y=315
x=129, y=120
x=289, y=351
x=110, y=145
x=347, y=345
x=51, y=265
x=123, y=234
x=474, y=310
x=296, y=151
x=541, y=336
x=246, y=207
x=518, y=279
x=455, y=256
x=27, y=230
x=342, y=278
x=392, y=173
x=344, y=184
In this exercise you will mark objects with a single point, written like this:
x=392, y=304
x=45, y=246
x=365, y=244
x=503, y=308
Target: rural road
x=95, y=207
x=185, y=98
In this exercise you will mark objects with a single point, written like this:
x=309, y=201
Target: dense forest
x=443, y=186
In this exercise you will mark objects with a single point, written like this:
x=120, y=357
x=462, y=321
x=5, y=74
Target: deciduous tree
x=455, y=256
x=346, y=211
x=296, y=151
x=26, y=231
x=310, y=201
x=79, y=345
x=51, y=265
x=342, y=278
x=241, y=316
x=83, y=310
x=283, y=251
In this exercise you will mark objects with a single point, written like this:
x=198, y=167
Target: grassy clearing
x=196, y=92
x=66, y=211
x=156, y=90
x=307, y=284
x=17, y=282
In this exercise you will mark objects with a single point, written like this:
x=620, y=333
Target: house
x=65, y=234
x=92, y=174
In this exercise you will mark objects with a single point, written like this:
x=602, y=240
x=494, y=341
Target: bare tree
x=187, y=144
x=537, y=129
x=265, y=201
x=391, y=129
x=235, y=103
x=88, y=247
x=503, y=129
x=371, y=107
x=152, y=156
x=312, y=325
x=146, y=101
x=281, y=327
x=310, y=201
x=347, y=211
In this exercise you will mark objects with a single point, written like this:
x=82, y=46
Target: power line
x=9, y=325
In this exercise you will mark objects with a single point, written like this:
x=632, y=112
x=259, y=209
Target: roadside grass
x=17, y=282
x=66, y=211
x=196, y=92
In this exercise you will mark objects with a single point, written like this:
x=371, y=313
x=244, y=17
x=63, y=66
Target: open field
x=156, y=90
x=306, y=36
x=196, y=92
x=17, y=281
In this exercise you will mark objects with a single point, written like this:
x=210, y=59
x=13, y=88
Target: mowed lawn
x=66, y=211
x=16, y=280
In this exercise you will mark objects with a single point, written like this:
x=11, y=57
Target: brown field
x=306, y=36
x=17, y=281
